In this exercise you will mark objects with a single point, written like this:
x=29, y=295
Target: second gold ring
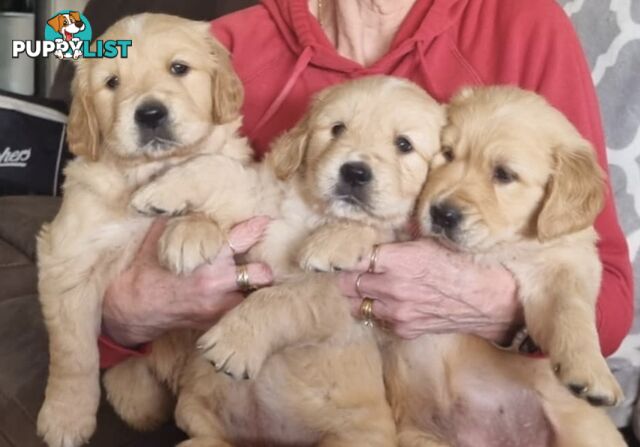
x=366, y=311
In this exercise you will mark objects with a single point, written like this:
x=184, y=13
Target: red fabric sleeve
x=539, y=50
x=112, y=353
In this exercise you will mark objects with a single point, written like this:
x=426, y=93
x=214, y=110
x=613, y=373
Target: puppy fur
x=347, y=176
x=525, y=188
x=96, y=233
x=446, y=390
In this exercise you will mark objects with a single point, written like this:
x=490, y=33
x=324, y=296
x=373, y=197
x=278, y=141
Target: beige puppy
x=174, y=99
x=510, y=163
x=348, y=175
x=515, y=184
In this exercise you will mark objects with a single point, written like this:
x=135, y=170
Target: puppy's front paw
x=63, y=424
x=589, y=378
x=188, y=242
x=156, y=199
x=233, y=347
x=327, y=252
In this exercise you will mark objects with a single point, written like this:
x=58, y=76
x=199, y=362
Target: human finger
x=259, y=275
x=246, y=234
x=215, y=309
x=149, y=247
x=380, y=309
x=378, y=286
x=371, y=262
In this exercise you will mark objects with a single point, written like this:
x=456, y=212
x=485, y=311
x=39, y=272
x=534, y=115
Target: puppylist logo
x=68, y=36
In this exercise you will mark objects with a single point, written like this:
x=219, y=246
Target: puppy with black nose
x=175, y=99
x=514, y=185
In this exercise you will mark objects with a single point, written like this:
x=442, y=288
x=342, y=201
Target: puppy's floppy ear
x=575, y=192
x=56, y=22
x=226, y=86
x=75, y=15
x=289, y=149
x=83, y=133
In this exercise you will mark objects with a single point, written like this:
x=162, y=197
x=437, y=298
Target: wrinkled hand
x=422, y=287
x=147, y=300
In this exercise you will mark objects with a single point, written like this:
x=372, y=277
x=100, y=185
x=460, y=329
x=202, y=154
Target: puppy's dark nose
x=445, y=216
x=151, y=115
x=356, y=173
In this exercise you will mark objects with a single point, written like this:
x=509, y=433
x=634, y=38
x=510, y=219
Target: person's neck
x=361, y=30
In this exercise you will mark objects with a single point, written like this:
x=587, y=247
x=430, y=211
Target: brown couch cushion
x=23, y=372
x=20, y=220
x=17, y=272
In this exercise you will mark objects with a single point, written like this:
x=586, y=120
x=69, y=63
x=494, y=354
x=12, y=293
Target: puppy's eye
x=179, y=69
x=447, y=153
x=338, y=129
x=112, y=82
x=503, y=175
x=403, y=144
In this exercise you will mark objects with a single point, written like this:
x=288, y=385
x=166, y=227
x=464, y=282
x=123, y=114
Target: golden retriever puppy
x=514, y=184
x=445, y=390
x=349, y=175
x=173, y=100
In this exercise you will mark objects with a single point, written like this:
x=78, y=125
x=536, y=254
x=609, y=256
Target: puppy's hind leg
x=71, y=303
x=195, y=410
x=376, y=432
x=576, y=424
x=137, y=395
x=415, y=438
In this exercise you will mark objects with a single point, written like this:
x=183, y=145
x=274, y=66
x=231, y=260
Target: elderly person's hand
x=147, y=300
x=422, y=287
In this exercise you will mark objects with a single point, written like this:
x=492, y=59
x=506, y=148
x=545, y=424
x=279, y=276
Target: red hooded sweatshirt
x=283, y=57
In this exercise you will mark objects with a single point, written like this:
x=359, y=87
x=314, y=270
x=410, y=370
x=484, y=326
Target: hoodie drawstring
x=298, y=68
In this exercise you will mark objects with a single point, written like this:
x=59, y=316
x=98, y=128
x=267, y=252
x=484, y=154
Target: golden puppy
x=173, y=100
x=445, y=390
x=347, y=176
x=515, y=184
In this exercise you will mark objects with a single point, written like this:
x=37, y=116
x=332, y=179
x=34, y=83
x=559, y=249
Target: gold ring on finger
x=358, y=279
x=242, y=278
x=366, y=311
x=373, y=259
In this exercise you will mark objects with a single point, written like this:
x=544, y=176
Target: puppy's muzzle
x=445, y=219
x=353, y=181
x=152, y=119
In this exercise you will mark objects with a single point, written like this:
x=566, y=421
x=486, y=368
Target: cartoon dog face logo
x=67, y=24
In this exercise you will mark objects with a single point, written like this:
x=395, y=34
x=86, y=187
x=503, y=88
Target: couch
x=610, y=32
